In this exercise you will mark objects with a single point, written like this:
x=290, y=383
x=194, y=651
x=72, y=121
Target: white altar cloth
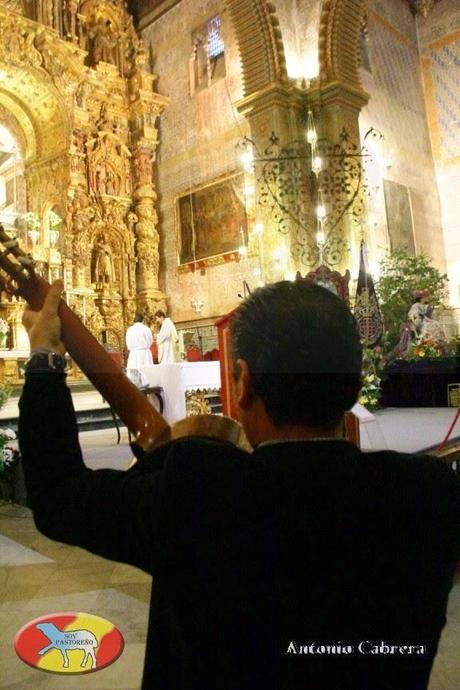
x=176, y=379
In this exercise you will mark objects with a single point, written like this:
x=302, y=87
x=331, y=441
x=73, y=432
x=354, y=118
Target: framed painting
x=400, y=220
x=212, y=223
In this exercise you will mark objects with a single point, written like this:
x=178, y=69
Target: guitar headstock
x=17, y=274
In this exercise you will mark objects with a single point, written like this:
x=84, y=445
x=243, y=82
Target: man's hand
x=44, y=327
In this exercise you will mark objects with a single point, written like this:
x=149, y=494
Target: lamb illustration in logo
x=66, y=641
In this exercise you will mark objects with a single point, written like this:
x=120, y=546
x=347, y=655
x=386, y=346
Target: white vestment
x=416, y=315
x=166, y=339
x=425, y=325
x=138, y=341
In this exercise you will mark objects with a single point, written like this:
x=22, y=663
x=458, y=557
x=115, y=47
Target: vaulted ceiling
x=141, y=7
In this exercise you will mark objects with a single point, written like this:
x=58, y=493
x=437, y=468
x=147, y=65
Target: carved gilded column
x=146, y=107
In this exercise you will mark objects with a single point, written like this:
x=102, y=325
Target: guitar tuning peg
x=11, y=288
x=26, y=260
x=11, y=244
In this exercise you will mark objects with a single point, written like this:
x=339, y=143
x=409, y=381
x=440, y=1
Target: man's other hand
x=44, y=327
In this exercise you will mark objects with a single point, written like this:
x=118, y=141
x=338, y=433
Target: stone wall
x=393, y=78
x=198, y=138
x=439, y=38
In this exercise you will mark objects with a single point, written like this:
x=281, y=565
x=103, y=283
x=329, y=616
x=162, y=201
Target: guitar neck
x=145, y=423
x=133, y=408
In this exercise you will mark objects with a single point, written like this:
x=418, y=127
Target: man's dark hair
x=160, y=313
x=139, y=318
x=303, y=350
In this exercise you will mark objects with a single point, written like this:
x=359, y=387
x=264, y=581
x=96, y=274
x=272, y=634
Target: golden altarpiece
x=77, y=95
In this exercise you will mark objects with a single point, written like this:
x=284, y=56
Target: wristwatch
x=45, y=361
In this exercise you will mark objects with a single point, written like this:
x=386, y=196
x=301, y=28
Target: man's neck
x=297, y=433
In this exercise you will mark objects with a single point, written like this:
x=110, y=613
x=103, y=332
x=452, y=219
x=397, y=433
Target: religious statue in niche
x=104, y=41
x=70, y=18
x=131, y=220
x=143, y=167
x=106, y=181
x=77, y=153
x=108, y=159
x=100, y=180
x=112, y=186
x=84, y=220
x=81, y=94
x=103, y=273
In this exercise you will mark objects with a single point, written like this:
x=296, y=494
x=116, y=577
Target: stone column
x=277, y=110
x=336, y=108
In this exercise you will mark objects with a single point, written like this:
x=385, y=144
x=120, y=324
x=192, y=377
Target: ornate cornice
x=340, y=29
x=260, y=43
x=271, y=96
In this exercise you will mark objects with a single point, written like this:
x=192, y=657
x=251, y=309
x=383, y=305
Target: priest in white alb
x=139, y=339
x=166, y=339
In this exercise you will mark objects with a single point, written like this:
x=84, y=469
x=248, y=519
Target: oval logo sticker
x=69, y=643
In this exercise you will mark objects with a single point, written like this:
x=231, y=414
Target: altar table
x=177, y=379
x=423, y=383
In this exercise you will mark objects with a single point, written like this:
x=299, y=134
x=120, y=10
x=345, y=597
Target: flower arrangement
x=8, y=456
x=370, y=392
x=426, y=347
x=369, y=396
x=4, y=327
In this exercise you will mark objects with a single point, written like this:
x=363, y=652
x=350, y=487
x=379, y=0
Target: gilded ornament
x=196, y=403
x=86, y=169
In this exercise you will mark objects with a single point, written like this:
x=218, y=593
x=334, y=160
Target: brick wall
x=397, y=109
x=197, y=145
x=439, y=39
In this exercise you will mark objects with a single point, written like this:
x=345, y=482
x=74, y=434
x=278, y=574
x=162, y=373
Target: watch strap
x=45, y=361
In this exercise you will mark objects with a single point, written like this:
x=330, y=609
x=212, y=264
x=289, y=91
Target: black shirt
x=267, y=566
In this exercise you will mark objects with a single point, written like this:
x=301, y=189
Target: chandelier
x=309, y=187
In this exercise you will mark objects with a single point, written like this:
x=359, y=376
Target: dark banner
x=367, y=311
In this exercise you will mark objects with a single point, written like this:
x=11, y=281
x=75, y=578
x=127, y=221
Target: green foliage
x=30, y=220
x=54, y=220
x=455, y=345
x=371, y=377
x=4, y=395
x=400, y=276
